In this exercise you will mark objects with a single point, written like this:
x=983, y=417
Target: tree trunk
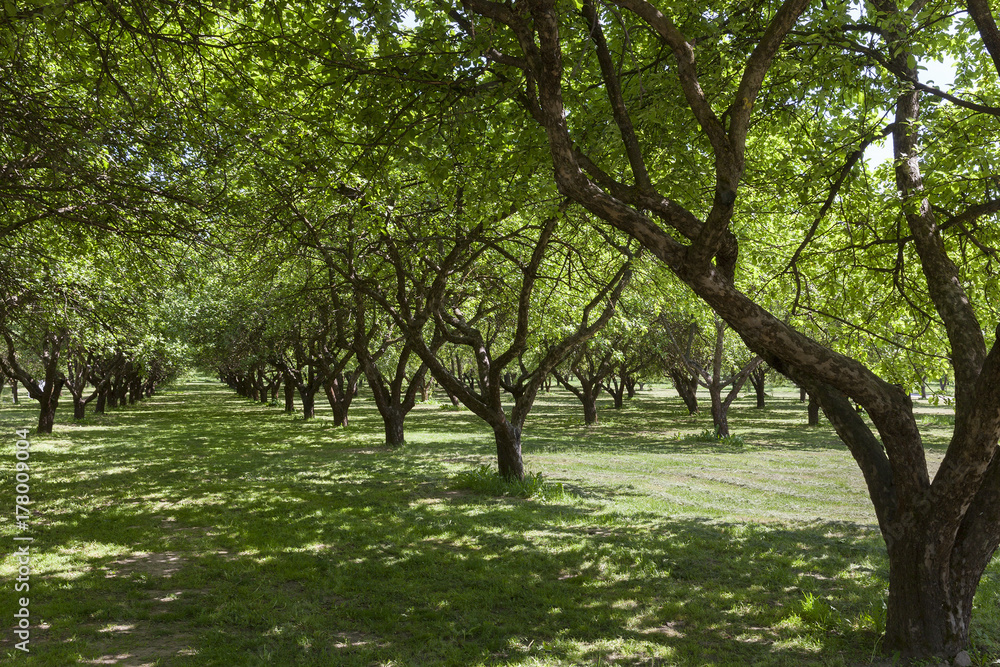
x=289, y=396
x=617, y=390
x=930, y=596
x=48, y=403
x=813, y=410
x=509, y=461
x=758, y=378
x=79, y=408
x=720, y=416
x=46, y=417
x=802, y=394
x=308, y=405
x=589, y=399
x=588, y=392
x=13, y=390
x=135, y=390
x=340, y=391
x=121, y=390
x=335, y=400
x=686, y=385
x=102, y=399
x=393, y=422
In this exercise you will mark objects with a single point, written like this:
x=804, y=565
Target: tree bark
x=102, y=399
x=340, y=391
x=720, y=412
x=508, y=442
x=79, y=408
x=135, y=388
x=308, y=404
x=393, y=422
x=289, y=384
x=758, y=378
x=813, y=411
x=630, y=384
x=49, y=402
x=686, y=384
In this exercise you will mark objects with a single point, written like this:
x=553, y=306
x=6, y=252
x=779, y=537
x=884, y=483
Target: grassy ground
x=200, y=529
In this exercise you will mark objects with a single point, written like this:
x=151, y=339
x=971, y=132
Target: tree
x=393, y=400
x=483, y=290
x=940, y=534
x=590, y=364
x=758, y=377
x=709, y=371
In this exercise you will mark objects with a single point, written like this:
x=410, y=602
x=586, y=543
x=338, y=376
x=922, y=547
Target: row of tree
x=427, y=177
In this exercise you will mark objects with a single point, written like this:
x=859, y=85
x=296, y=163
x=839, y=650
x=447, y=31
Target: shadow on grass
x=200, y=529
x=346, y=571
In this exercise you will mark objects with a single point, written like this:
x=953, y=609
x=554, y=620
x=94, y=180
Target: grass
x=200, y=529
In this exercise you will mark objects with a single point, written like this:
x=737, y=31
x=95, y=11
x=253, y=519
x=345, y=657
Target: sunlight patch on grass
x=246, y=536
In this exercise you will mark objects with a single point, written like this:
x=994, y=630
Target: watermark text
x=22, y=503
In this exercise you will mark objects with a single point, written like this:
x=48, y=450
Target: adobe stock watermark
x=22, y=499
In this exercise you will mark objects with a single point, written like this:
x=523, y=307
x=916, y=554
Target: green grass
x=201, y=529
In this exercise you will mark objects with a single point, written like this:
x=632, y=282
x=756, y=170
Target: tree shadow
x=200, y=529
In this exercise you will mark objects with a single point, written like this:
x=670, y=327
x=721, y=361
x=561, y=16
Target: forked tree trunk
x=49, y=402
x=587, y=392
x=939, y=539
x=339, y=398
x=686, y=385
x=720, y=412
x=931, y=588
x=757, y=379
x=616, y=388
x=308, y=404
